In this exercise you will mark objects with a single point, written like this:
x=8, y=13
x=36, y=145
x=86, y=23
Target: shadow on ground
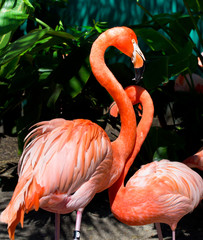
x=98, y=223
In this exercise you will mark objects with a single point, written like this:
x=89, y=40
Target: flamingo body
x=60, y=168
x=158, y=192
x=65, y=163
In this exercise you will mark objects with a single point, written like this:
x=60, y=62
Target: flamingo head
x=127, y=43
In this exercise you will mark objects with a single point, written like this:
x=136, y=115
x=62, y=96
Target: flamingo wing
x=65, y=157
x=60, y=158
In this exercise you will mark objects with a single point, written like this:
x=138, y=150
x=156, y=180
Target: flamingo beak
x=139, y=74
x=138, y=61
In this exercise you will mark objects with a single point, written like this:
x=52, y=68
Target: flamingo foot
x=76, y=235
x=57, y=226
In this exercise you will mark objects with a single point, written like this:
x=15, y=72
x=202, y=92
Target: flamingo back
x=160, y=192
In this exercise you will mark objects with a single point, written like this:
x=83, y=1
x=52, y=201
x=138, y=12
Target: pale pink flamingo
x=182, y=83
x=185, y=83
x=65, y=163
x=196, y=160
x=159, y=192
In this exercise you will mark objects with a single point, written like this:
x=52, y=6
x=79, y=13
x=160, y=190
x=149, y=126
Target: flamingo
x=196, y=160
x=161, y=191
x=65, y=163
x=184, y=83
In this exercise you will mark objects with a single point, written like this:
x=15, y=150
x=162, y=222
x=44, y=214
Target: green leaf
x=165, y=143
x=25, y=77
x=200, y=4
x=51, y=38
x=4, y=39
x=160, y=153
x=181, y=28
x=156, y=72
x=21, y=45
x=3, y=84
x=164, y=18
x=156, y=41
x=28, y=4
x=7, y=69
x=195, y=5
x=55, y=95
x=181, y=61
x=45, y=44
x=43, y=76
x=183, y=53
x=77, y=82
x=98, y=29
x=63, y=35
x=193, y=63
x=12, y=14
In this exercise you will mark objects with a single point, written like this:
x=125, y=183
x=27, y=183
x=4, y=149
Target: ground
x=98, y=222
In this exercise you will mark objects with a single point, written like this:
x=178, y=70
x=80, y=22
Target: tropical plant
x=41, y=69
x=170, y=51
x=45, y=73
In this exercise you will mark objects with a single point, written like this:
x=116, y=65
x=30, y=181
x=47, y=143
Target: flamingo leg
x=159, y=232
x=57, y=226
x=76, y=235
x=173, y=235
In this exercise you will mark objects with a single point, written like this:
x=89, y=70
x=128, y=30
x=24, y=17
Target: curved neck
x=143, y=97
x=123, y=145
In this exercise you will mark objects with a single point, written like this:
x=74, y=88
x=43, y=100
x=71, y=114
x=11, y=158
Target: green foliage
x=170, y=51
x=13, y=13
x=45, y=72
x=168, y=42
x=40, y=71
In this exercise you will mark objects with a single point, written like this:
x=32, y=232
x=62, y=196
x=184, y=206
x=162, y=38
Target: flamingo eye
x=136, y=51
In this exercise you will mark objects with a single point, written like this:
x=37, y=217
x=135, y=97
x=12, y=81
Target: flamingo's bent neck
x=124, y=144
x=137, y=95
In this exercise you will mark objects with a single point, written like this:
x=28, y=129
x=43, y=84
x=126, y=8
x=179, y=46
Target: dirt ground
x=98, y=222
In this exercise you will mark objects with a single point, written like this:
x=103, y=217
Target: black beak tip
x=139, y=74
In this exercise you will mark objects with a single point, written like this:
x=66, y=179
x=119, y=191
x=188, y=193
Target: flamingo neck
x=144, y=125
x=123, y=145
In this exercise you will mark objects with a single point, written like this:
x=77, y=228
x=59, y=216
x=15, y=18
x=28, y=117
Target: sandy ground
x=98, y=223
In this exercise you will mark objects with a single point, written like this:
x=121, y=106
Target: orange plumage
x=65, y=163
x=158, y=192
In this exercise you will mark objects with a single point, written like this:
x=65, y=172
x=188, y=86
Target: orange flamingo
x=65, y=163
x=158, y=192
